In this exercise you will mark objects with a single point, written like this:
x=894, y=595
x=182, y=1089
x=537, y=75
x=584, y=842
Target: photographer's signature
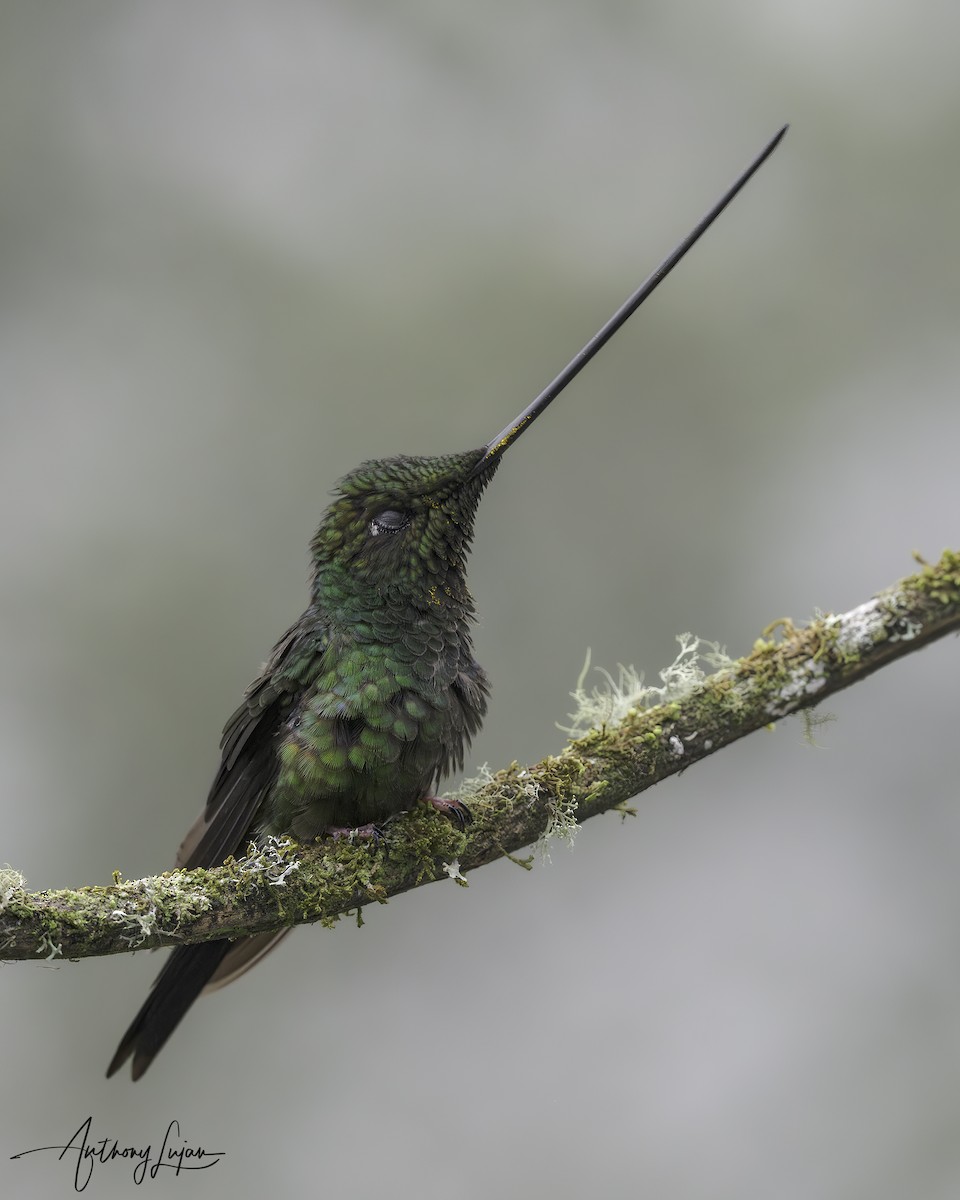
x=86, y=1152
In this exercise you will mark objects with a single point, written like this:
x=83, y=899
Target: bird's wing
x=248, y=767
x=248, y=764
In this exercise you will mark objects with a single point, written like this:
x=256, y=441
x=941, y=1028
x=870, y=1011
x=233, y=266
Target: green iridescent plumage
x=373, y=695
x=396, y=694
x=366, y=703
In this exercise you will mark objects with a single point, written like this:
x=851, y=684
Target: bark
x=635, y=746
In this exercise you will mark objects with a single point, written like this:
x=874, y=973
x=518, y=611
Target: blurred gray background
x=244, y=247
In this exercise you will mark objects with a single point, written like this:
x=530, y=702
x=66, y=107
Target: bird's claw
x=456, y=810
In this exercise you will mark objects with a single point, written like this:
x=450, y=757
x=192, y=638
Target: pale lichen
x=12, y=886
x=273, y=860
x=617, y=697
x=561, y=825
x=802, y=682
x=859, y=629
x=452, y=870
x=48, y=949
x=468, y=786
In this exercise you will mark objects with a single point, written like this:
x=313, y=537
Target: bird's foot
x=370, y=832
x=456, y=810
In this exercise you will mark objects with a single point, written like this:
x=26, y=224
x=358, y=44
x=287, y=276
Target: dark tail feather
x=182, y=979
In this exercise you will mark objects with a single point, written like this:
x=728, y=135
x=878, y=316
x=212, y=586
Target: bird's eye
x=390, y=520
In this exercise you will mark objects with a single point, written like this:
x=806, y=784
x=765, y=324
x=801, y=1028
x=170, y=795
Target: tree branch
x=635, y=747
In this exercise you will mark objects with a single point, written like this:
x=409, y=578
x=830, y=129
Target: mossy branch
x=287, y=884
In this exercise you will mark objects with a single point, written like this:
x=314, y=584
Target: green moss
x=941, y=581
x=286, y=882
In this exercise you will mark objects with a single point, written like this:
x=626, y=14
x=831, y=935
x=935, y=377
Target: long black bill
x=509, y=435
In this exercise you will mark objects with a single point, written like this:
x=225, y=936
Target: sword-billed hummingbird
x=373, y=694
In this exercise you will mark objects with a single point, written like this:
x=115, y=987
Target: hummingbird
x=373, y=695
